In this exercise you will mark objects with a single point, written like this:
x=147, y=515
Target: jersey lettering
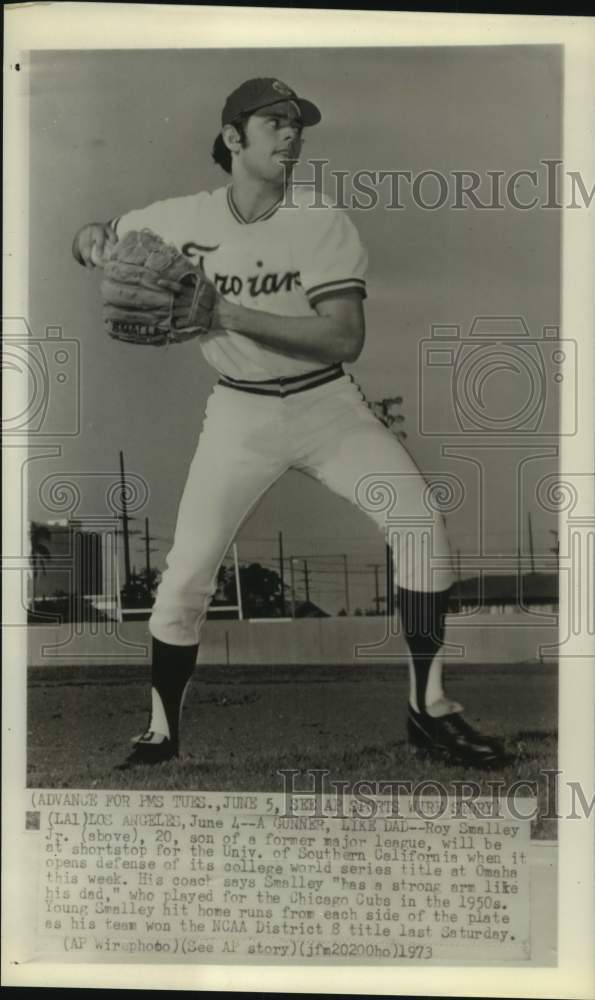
x=233, y=284
x=195, y=252
x=258, y=284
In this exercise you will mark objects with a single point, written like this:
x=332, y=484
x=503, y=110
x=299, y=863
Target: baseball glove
x=140, y=310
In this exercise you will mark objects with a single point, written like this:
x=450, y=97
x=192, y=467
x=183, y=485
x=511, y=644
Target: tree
x=153, y=580
x=136, y=593
x=261, y=590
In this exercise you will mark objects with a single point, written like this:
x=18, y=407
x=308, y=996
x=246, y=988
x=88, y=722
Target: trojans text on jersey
x=268, y=283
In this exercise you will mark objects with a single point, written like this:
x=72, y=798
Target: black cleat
x=453, y=739
x=149, y=749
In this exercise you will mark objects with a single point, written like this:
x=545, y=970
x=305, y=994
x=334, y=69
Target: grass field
x=243, y=723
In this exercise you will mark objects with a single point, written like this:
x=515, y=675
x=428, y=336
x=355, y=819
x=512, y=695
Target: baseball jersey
x=284, y=262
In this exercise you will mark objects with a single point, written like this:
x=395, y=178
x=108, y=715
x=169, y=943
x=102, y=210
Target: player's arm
x=162, y=217
x=91, y=241
x=335, y=334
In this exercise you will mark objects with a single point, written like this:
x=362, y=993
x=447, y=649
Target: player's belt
x=287, y=385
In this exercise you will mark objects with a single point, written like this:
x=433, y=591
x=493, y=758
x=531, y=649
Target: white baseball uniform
x=271, y=412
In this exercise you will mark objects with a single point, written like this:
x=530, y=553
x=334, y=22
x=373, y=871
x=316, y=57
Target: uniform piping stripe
x=336, y=293
x=313, y=385
x=342, y=283
x=284, y=378
x=240, y=218
x=247, y=388
x=254, y=387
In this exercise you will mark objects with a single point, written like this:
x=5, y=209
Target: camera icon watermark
x=41, y=378
x=496, y=381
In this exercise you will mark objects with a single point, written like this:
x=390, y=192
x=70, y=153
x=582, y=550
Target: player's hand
x=181, y=292
x=92, y=243
x=225, y=315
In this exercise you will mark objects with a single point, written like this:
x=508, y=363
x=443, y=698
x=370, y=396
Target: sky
x=115, y=130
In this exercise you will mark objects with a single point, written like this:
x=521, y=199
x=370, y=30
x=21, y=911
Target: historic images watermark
x=42, y=381
x=490, y=393
x=67, y=561
x=544, y=187
x=489, y=801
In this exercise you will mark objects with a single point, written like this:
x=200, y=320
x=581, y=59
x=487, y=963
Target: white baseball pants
x=247, y=442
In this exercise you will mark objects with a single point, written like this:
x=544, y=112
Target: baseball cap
x=262, y=91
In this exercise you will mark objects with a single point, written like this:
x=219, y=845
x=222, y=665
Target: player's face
x=273, y=137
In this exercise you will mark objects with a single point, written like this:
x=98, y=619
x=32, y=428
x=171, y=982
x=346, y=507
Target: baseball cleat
x=450, y=737
x=150, y=748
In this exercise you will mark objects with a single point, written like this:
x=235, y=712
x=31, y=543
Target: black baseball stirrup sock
x=422, y=617
x=172, y=669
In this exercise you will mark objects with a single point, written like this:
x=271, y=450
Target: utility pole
x=292, y=579
x=390, y=583
x=556, y=547
x=147, y=555
x=125, y=520
x=282, y=574
x=455, y=569
x=307, y=580
x=456, y=565
x=376, y=567
x=346, y=581
x=531, y=551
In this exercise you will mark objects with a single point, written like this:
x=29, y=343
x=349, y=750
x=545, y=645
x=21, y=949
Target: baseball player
x=290, y=283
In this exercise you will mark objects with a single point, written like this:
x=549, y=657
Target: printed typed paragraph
x=210, y=877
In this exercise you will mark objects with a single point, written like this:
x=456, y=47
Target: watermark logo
x=495, y=380
x=367, y=800
x=433, y=189
x=41, y=381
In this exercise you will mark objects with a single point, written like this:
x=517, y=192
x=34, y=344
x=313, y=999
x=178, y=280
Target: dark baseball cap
x=259, y=93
